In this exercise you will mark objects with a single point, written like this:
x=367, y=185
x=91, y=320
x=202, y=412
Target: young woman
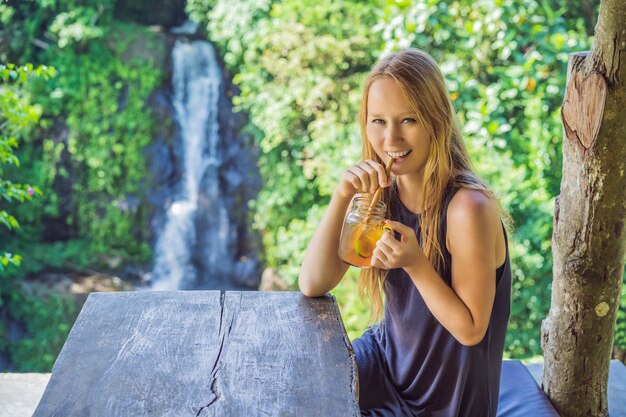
x=444, y=271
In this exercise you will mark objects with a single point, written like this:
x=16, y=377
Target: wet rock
x=167, y=13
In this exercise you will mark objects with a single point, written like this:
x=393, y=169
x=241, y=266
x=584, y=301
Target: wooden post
x=589, y=237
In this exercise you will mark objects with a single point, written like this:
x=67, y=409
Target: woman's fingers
x=355, y=176
x=388, y=243
x=366, y=176
x=369, y=166
x=381, y=175
x=352, y=179
x=358, y=178
x=387, y=247
x=379, y=259
x=401, y=228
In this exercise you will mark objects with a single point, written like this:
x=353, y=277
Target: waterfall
x=196, y=82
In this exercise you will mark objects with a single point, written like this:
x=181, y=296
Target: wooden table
x=204, y=353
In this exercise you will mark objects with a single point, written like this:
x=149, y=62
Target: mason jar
x=362, y=228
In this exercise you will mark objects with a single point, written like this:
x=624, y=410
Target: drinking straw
x=379, y=190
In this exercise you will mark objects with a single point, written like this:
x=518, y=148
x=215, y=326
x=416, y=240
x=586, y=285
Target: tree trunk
x=589, y=240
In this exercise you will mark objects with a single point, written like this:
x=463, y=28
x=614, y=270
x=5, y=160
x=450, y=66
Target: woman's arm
x=322, y=269
x=465, y=309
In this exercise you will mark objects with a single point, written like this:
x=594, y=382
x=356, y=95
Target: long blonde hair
x=448, y=162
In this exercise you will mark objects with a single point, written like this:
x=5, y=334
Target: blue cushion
x=520, y=396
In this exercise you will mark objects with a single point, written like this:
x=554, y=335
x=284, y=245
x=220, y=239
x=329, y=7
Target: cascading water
x=196, y=84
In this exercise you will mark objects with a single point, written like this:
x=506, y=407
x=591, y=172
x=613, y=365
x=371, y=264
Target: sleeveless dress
x=411, y=365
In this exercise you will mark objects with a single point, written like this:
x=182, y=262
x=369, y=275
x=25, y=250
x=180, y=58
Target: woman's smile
x=398, y=155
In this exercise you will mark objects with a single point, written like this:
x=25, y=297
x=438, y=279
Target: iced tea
x=362, y=228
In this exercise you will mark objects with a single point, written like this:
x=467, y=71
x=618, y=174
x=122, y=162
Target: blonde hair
x=448, y=162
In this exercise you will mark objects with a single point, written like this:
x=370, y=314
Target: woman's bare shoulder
x=471, y=216
x=473, y=220
x=472, y=205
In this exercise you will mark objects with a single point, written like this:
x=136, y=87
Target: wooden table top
x=204, y=353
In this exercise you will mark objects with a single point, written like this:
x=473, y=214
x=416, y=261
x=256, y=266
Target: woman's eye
x=378, y=121
x=408, y=120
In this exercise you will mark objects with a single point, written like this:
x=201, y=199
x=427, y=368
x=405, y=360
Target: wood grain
x=204, y=353
x=617, y=385
x=583, y=105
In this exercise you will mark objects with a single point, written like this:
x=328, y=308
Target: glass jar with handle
x=363, y=226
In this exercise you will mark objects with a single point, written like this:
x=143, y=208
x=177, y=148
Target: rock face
x=165, y=13
x=203, y=174
x=56, y=226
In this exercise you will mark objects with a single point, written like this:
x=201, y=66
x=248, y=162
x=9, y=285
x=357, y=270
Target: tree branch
x=609, y=45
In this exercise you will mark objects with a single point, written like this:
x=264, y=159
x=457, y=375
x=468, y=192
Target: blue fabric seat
x=520, y=396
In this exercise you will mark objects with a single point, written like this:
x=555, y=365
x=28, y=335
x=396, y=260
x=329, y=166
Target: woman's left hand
x=391, y=253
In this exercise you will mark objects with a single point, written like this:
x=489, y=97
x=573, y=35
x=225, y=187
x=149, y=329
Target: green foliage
x=86, y=155
x=76, y=26
x=17, y=116
x=505, y=65
x=99, y=100
x=300, y=65
x=50, y=256
x=354, y=312
x=48, y=319
x=28, y=23
x=620, y=326
x=103, y=99
x=299, y=70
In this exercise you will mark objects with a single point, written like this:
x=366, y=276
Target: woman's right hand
x=321, y=268
x=363, y=177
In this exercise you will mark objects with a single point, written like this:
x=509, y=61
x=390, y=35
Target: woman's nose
x=392, y=133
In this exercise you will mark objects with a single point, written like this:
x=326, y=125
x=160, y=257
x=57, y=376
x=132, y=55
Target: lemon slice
x=364, y=247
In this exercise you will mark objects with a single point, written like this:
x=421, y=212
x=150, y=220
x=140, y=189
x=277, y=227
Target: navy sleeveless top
x=410, y=365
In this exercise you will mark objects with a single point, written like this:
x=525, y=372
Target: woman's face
x=393, y=128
